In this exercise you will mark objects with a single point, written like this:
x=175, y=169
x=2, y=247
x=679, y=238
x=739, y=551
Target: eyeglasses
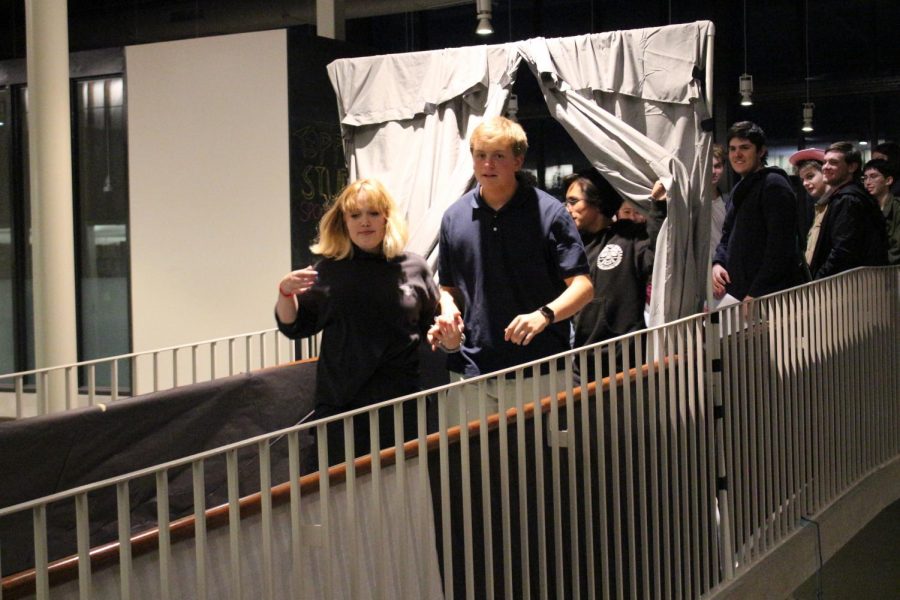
x=873, y=177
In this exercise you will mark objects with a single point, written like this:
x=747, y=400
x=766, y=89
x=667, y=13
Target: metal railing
x=91, y=382
x=811, y=390
x=717, y=434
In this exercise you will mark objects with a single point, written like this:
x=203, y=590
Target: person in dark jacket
x=889, y=151
x=759, y=251
x=878, y=178
x=373, y=304
x=620, y=255
x=853, y=232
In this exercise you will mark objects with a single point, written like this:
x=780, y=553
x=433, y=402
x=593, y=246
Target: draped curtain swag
x=630, y=100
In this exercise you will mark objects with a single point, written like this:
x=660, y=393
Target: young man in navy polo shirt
x=512, y=266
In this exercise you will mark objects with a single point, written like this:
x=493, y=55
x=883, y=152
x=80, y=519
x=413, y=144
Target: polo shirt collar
x=519, y=197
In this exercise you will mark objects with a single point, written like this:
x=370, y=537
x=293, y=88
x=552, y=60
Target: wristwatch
x=548, y=313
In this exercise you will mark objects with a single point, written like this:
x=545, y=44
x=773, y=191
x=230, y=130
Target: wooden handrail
x=65, y=569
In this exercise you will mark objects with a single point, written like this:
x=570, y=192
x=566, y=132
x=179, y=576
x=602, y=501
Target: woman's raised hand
x=297, y=282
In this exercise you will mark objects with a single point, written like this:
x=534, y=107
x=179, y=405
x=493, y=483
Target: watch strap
x=548, y=313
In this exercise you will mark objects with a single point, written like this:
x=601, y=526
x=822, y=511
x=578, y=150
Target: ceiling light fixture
x=746, y=81
x=746, y=89
x=483, y=14
x=807, y=106
x=512, y=107
x=807, y=117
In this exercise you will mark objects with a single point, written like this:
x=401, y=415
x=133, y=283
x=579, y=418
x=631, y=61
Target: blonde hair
x=334, y=239
x=718, y=151
x=500, y=130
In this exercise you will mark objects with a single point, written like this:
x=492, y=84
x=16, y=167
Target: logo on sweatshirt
x=610, y=257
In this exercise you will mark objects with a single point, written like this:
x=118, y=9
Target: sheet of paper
x=726, y=300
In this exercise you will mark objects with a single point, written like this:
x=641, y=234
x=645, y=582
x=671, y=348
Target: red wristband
x=281, y=291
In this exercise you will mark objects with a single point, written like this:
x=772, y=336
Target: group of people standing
x=764, y=247
x=522, y=276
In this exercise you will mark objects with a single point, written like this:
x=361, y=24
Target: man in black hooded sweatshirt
x=759, y=251
x=620, y=254
x=853, y=232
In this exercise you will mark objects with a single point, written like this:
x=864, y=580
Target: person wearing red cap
x=808, y=167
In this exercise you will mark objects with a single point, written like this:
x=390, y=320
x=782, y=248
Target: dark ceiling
x=854, y=46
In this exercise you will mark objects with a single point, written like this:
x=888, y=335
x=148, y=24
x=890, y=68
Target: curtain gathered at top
x=632, y=101
x=406, y=120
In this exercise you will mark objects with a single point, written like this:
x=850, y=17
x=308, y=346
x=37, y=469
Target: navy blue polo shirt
x=506, y=263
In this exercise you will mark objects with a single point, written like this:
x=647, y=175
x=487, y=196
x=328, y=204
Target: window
x=7, y=263
x=16, y=321
x=101, y=227
x=101, y=217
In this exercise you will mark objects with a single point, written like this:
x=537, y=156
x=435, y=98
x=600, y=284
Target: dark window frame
x=84, y=66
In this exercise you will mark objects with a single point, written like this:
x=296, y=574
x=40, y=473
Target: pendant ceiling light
x=483, y=14
x=807, y=106
x=746, y=81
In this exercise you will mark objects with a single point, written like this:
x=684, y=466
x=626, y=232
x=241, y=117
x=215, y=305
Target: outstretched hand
x=298, y=282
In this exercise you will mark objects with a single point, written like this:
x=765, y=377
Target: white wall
x=209, y=185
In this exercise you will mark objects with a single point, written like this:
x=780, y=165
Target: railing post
x=41, y=563
x=92, y=385
x=155, y=371
x=134, y=376
x=20, y=392
x=114, y=381
x=213, y=357
x=712, y=346
x=123, y=511
x=82, y=528
x=68, y=388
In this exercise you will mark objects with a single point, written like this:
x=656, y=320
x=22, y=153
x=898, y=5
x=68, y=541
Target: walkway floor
x=867, y=567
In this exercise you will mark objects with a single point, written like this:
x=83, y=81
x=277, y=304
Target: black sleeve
x=430, y=300
x=848, y=233
x=721, y=255
x=311, y=314
x=779, y=209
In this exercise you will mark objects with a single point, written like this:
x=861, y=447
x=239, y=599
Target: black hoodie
x=853, y=233
x=621, y=261
x=760, y=247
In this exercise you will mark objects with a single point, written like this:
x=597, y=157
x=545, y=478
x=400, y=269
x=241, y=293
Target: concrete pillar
x=330, y=19
x=50, y=156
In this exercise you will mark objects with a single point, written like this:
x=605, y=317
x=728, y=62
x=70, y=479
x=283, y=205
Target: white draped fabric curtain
x=631, y=100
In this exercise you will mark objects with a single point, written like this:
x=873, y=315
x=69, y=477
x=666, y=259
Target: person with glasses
x=878, y=179
x=620, y=255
